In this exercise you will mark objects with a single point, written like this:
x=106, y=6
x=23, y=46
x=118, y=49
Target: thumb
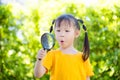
x=44, y=51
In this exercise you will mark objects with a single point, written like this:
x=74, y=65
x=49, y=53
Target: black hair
x=75, y=22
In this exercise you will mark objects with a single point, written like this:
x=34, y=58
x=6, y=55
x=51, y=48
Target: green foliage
x=20, y=33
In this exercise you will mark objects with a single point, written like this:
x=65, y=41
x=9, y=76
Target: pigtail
x=51, y=28
x=86, y=49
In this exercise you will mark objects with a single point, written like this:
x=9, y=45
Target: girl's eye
x=67, y=31
x=58, y=30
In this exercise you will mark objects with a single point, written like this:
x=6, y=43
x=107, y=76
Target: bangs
x=67, y=20
x=63, y=20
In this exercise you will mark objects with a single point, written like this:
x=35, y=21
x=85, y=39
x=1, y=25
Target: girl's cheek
x=56, y=37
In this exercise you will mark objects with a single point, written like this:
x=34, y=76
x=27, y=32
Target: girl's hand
x=40, y=70
x=41, y=54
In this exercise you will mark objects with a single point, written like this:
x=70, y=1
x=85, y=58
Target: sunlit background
x=22, y=22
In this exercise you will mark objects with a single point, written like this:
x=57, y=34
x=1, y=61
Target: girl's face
x=65, y=34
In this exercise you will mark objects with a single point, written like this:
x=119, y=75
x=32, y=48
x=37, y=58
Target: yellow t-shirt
x=66, y=66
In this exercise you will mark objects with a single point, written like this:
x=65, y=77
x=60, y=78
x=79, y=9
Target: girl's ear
x=77, y=33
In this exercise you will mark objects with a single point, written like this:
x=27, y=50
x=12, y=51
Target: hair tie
x=81, y=21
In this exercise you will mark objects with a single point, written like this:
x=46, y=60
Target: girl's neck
x=69, y=50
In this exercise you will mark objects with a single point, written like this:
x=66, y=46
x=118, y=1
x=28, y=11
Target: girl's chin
x=63, y=47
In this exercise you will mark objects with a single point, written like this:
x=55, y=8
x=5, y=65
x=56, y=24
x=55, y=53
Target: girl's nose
x=62, y=34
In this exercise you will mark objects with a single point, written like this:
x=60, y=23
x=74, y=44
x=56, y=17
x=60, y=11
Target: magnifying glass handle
x=45, y=49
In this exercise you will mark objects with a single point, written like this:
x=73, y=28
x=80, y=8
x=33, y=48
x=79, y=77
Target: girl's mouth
x=61, y=41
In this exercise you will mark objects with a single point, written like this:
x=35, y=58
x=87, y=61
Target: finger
x=40, y=57
x=41, y=53
x=44, y=51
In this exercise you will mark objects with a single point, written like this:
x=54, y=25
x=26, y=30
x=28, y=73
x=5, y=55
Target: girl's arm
x=88, y=78
x=40, y=70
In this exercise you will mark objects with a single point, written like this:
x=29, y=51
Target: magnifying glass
x=47, y=41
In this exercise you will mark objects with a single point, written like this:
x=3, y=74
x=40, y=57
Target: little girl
x=65, y=63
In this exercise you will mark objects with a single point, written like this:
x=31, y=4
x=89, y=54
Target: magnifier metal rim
x=52, y=40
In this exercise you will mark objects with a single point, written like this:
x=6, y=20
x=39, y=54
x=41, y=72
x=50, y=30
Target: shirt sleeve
x=88, y=68
x=47, y=61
